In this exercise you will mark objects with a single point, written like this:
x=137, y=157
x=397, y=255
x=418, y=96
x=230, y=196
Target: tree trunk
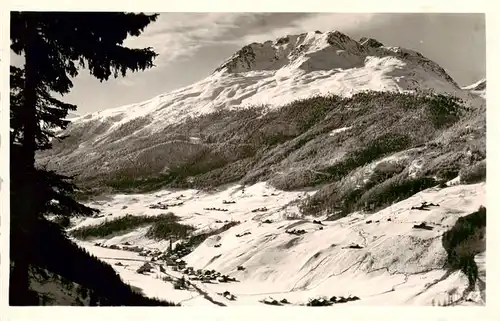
x=25, y=206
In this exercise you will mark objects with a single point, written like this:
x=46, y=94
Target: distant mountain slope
x=302, y=144
x=208, y=129
x=477, y=88
x=73, y=115
x=276, y=73
x=478, y=85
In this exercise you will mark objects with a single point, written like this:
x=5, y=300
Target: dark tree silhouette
x=55, y=47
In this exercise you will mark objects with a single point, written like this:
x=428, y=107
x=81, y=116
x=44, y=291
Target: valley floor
x=380, y=258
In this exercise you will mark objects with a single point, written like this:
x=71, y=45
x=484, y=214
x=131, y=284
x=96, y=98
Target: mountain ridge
x=287, y=50
x=317, y=64
x=156, y=131
x=477, y=88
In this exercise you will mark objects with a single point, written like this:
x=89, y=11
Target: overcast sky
x=192, y=45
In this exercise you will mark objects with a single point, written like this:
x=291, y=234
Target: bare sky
x=192, y=45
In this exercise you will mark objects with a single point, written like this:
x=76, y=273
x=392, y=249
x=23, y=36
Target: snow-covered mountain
x=72, y=115
x=294, y=67
x=308, y=163
x=477, y=88
x=271, y=74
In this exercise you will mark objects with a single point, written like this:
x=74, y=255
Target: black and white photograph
x=236, y=159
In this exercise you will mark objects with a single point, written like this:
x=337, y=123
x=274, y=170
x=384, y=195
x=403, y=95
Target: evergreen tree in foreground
x=55, y=46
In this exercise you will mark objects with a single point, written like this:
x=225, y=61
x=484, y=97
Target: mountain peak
x=370, y=42
x=290, y=51
x=293, y=67
x=318, y=51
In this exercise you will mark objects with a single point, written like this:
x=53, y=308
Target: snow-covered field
x=395, y=264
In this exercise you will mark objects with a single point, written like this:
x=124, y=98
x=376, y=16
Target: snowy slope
x=52, y=289
x=396, y=264
x=478, y=85
x=73, y=115
x=290, y=68
x=477, y=88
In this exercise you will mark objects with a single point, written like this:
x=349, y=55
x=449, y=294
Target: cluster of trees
x=55, y=47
